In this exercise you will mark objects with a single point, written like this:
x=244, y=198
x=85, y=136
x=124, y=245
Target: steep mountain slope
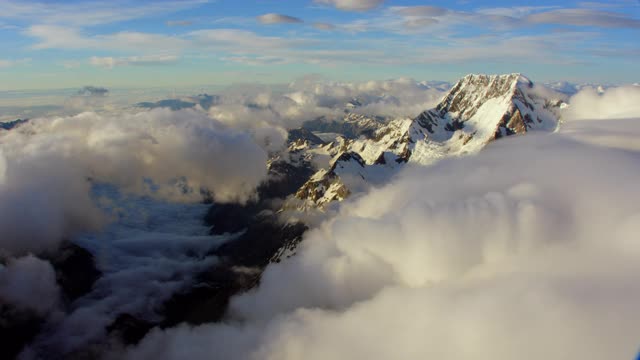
x=477, y=110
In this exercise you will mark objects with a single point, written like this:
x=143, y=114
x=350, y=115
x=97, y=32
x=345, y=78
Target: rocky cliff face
x=477, y=110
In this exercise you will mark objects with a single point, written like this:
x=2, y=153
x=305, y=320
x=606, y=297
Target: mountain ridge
x=477, y=110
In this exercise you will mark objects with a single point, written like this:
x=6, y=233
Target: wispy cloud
x=111, y=62
x=173, y=23
x=5, y=63
x=399, y=18
x=488, y=34
x=89, y=13
x=423, y=10
x=352, y=5
x=584, y=17
x=272, y=18
x=323, y=26
x=60, y=37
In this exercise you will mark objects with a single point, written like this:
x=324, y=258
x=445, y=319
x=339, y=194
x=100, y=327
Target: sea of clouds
x=526, y=250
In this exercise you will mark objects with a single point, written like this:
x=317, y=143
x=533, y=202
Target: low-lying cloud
x=29, y=283
x=613, y=103
x=532, y=241
x=267, y=112
x=49, y=164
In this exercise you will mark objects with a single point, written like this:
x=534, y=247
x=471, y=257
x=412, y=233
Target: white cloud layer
x=45, y=166
x=614, y=103
x=29, y=283
x=153, y=250
x=307, y=98
x=527, y=250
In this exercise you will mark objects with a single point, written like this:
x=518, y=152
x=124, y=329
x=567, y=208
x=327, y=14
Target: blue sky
x=59, y=44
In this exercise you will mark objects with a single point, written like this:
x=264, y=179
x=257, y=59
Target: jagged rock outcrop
x=477, y=110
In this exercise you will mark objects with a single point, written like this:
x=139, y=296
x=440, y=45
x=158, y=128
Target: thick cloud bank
x=613, y=103
x=528, y=250
x=152, y=251
x=47, y=166
x=29, y=283
x=252, y=107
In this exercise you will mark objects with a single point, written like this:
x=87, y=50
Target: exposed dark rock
x=260, y=236
x=346, y=157
x=352, y=126
x=380, y=160
x=12, y=124
x=129, y=329
x=75, y=269
x=17, y=328
x=259, y=242
x=204, y=100
x=284, y=179
x=231, y=218
x=304, y=134
x=207, y=301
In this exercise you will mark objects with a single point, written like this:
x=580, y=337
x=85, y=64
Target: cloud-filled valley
x=523, y=249
x=319, y=179
x=490, y=255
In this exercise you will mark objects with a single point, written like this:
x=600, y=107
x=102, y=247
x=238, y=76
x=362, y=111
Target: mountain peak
x=493, y=105
x=477, y=110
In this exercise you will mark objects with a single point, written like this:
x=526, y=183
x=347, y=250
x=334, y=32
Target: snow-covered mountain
x=477, y=110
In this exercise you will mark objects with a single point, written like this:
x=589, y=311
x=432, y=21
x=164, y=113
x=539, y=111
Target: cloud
x=6, y=63
x=173, y=23
x=88, y=98
x=51, y=164
x=420, y=22
x=272, y=18
x=43, y=198
x=152, y=251
x=122, y=183
x=614, y=103
x=62, y=37
x=233, y=39
x=147, y=60
x=424, y=10
x=584, y=17
x=323, y=26
x=352, y=5
x=90, y=13
x=29, y=283
x=403, y=97
x=499, y=31
x=93, y=91
x=408, y=20
x=475, y=255
x=308, y=98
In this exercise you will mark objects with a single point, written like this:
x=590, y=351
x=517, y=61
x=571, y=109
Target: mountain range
x=477, y=110
x=325, y=161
